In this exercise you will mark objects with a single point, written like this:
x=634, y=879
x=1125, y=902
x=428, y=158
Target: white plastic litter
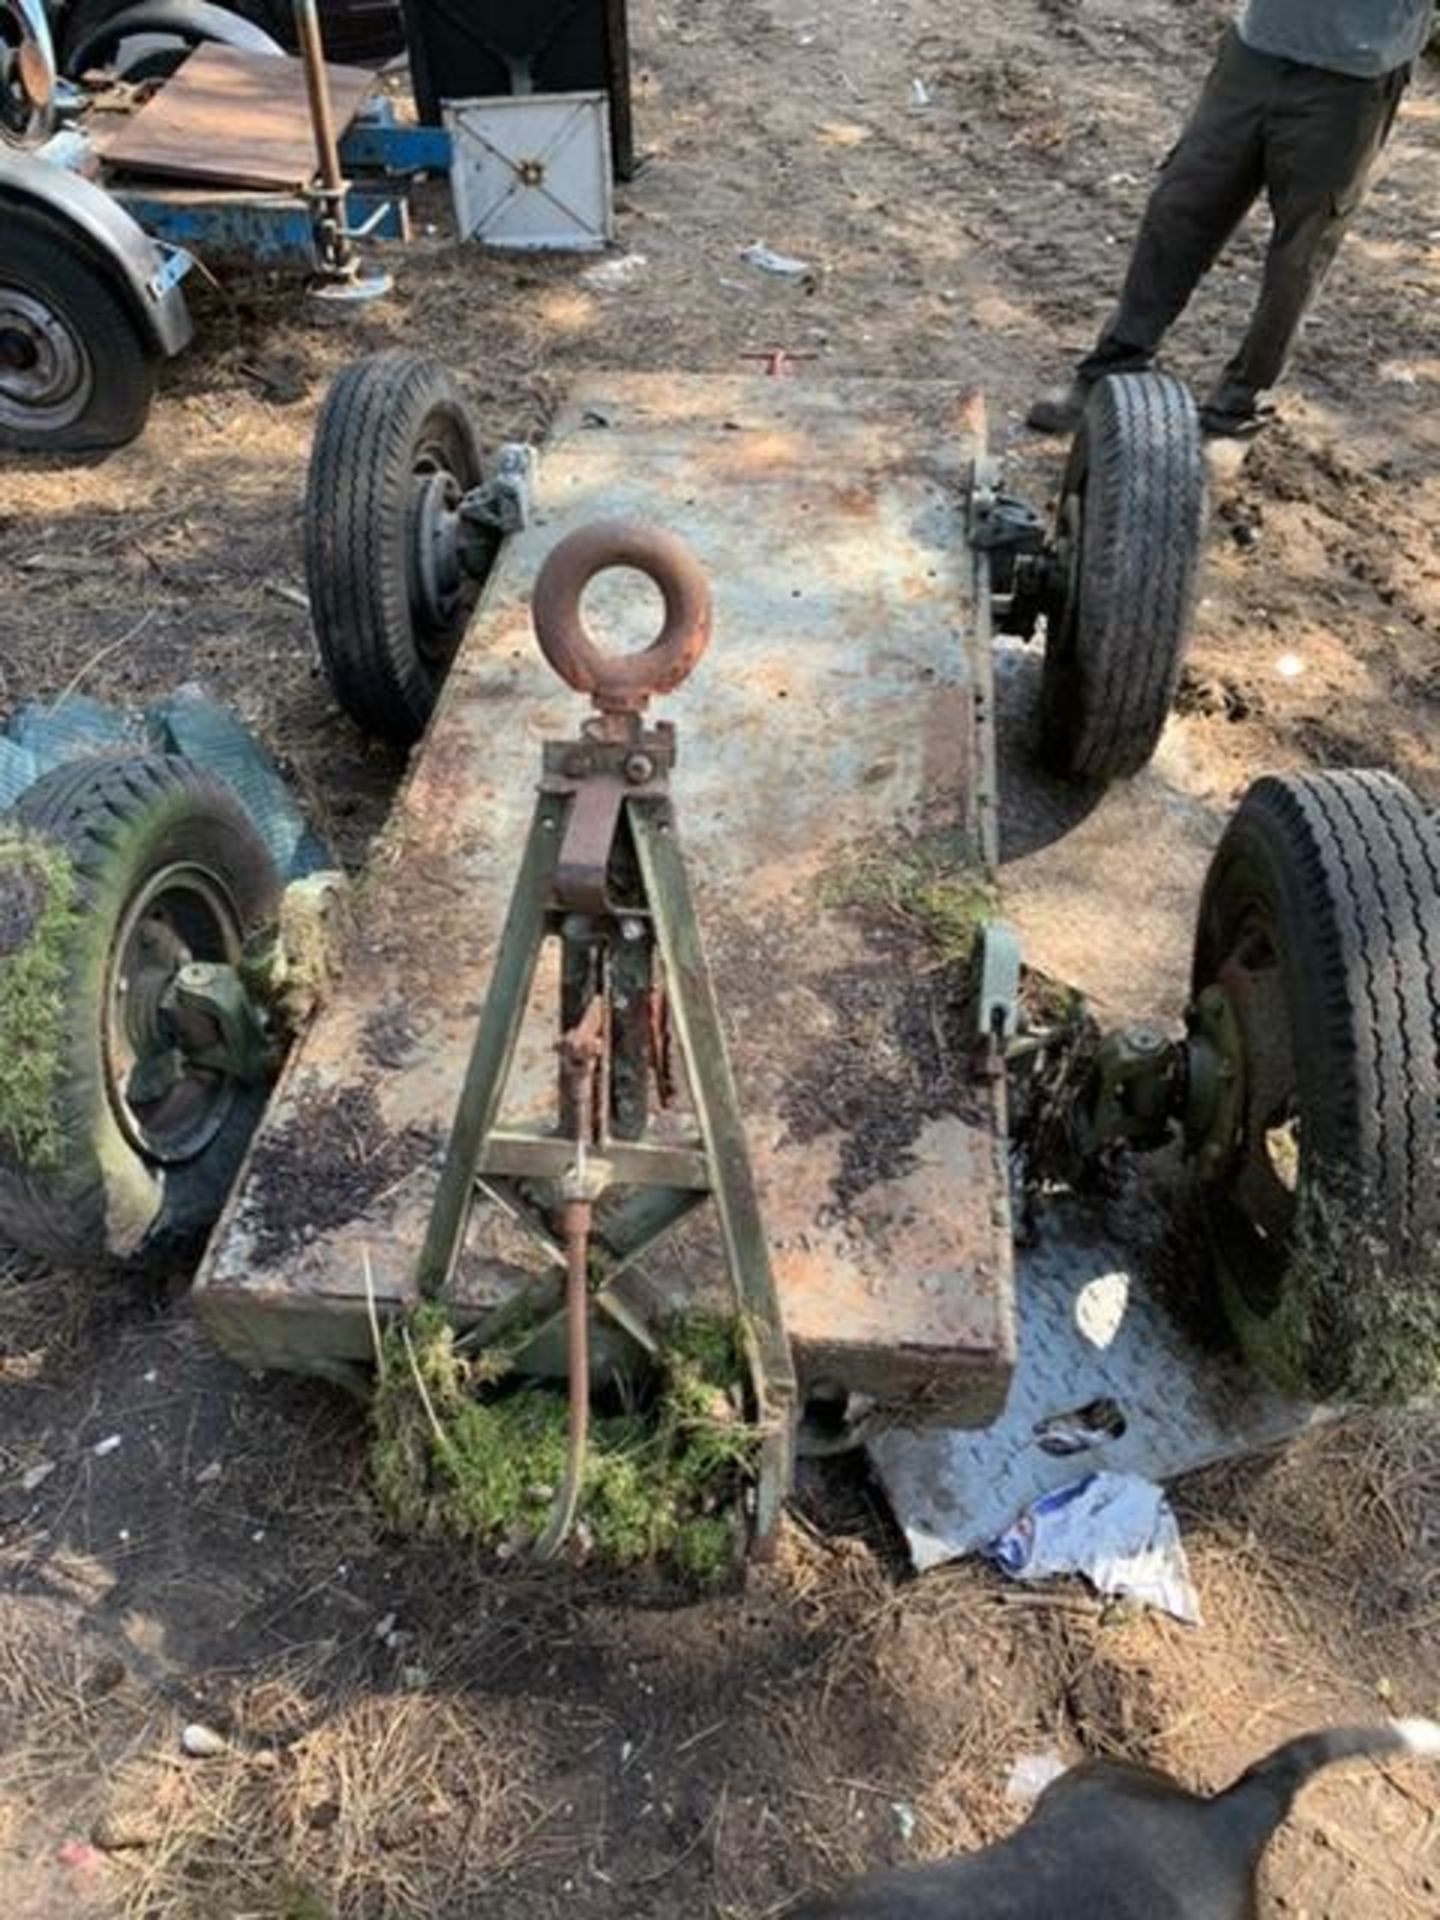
x=107, y=1445
x=612, y=276
x=202, y=1743
x=768, y=261
x=1117, y=1529
x=1031, y=1774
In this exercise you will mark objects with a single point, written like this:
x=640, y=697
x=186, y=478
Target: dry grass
x=530, y=1731
x=390, y=1803
x=44, y=1318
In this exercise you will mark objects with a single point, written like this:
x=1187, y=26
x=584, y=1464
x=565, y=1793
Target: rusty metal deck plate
x=833, y=725
x=233, y=118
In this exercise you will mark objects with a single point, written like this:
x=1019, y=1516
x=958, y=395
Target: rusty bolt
x=639, y=767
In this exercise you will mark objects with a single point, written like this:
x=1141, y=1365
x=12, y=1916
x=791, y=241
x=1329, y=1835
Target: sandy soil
x=529, y=1747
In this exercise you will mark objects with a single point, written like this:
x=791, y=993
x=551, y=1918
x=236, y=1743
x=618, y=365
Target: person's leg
x=1323, y=139
x=1206, y=186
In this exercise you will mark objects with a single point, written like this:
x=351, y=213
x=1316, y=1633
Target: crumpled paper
x=1117, y=1529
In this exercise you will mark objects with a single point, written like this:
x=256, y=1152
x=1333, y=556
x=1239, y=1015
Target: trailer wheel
x=1319, y=948
x=1130, y=530
x=27, y=74
x=125, y=1144
x=76, y=374
x=93, y=35
x=390, y=598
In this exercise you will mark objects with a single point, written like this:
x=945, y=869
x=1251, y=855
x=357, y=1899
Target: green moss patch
x=37, y=917
x=927, y=883
x=1358, y=1317
x=460, y=1448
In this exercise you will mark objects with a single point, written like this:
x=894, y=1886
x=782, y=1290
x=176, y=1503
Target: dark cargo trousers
x=1308, y=138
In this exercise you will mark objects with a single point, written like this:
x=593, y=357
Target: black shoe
x=1220, y=423
x=1060, y=411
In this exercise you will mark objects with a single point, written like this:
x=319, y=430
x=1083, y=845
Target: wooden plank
x=233, y=119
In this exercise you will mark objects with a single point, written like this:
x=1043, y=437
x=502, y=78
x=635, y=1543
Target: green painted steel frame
x=668, y=1182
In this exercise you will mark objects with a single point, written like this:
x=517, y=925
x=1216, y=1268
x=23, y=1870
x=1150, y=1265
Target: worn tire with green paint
x=122, y=823
x=1339, y=872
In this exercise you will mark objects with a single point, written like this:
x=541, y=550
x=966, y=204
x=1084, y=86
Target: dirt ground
x=411, y=1733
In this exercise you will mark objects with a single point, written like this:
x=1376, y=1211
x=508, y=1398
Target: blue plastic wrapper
x=1117, y=1529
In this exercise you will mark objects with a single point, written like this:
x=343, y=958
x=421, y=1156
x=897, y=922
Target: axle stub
x=621, y=683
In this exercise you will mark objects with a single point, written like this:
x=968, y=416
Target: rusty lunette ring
x=621, y=682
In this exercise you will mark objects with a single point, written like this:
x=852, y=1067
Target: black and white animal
x=1111, y=1841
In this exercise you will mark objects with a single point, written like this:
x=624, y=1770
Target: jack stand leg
x=702, y=1042
x=576, y=1224
x=500, y=1023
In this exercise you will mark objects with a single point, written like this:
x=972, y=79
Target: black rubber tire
x=358, y=33
x=1113, y=652
x=47, y=261
x=120, y=821
x=1342, y=869
x=94, y=34
x=383, y=419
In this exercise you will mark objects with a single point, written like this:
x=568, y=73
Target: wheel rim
x=167, y=1107
x=45, y=374
x=27, y=77
x=437, y=579
x=1259, y=1181
x=1062, y=640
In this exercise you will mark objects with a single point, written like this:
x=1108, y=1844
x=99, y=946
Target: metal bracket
x=502, y=500
x=1023, y=576
x=997, y=999
x=175, y=263
x=218, y=1025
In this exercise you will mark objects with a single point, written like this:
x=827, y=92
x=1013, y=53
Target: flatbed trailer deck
x=839, y=719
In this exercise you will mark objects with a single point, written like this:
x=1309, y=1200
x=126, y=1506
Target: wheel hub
x=1263, y=1167
x=45, y=373
x=17, y=350
x=438, y=574
x=169, y=1103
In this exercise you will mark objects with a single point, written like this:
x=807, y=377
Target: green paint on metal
x=927, y=882
x=460, y=1449
x=37, y=917
x=495, y=1042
